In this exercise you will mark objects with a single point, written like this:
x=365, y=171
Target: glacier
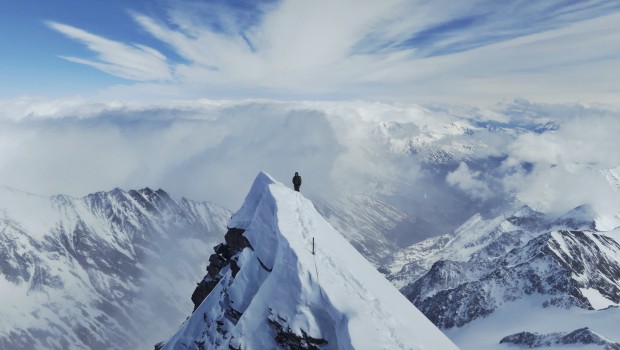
x=300, y=285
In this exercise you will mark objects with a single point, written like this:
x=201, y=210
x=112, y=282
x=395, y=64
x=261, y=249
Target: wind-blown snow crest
x=332, y=299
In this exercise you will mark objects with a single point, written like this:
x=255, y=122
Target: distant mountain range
x=565, y=266
x=107, y=271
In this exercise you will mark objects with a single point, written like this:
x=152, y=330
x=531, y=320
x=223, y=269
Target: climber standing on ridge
x=297, y=181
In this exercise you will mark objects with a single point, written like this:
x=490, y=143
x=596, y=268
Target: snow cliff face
x=293, y=282
x=84, y=273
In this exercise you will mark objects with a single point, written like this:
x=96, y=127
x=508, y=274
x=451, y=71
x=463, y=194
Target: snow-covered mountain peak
x=477, y=232
x=582, y=217
x=527, y=218
x=298, y=284
x=476, y=240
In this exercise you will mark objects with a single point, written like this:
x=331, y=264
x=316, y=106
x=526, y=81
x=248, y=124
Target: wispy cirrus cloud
x=554, y=51
x=463, y=27
x=128, y=61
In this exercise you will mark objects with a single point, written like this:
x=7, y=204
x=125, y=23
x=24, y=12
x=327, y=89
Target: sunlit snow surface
x=334, y=295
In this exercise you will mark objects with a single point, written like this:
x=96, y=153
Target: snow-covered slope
x=84, y=273
x=274, y=293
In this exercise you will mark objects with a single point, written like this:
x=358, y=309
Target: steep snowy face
x=287, y=280
x=85, y=272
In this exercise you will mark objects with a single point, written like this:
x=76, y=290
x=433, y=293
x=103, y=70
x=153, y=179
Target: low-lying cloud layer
x=549, y=156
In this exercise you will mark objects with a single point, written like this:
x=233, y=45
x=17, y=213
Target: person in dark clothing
x=296, y=181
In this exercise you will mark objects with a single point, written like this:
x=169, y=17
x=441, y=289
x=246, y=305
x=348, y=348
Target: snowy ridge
x=80, y=273
x=284, y=296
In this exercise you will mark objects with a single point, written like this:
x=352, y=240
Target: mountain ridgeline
x=560, y=266
x=84, y=273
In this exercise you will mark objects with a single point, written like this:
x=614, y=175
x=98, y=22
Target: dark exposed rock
x=234, y=314
x=223, y=250
x=383, y=270
x=200, y=345
x=14, y=264
x=216, y=261
x=234, y=268
x=203, y=289
x=212, y=271
x=235, y=239
x=288, y=340
x=532, y=340
x=235, y=242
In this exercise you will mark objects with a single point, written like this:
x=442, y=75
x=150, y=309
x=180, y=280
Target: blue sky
x=553, y=50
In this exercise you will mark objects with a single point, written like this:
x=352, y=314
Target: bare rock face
x=287, y=339
x=235, y=239
x=223, y=256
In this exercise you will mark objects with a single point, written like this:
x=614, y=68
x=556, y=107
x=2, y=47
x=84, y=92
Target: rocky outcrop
x=289, y=340
x=223, y=256
x=235, y=240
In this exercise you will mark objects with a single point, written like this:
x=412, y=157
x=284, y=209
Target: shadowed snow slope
x=284, y=297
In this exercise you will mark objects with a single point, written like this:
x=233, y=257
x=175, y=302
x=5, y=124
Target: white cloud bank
x=206, y=149
x=469, y=181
